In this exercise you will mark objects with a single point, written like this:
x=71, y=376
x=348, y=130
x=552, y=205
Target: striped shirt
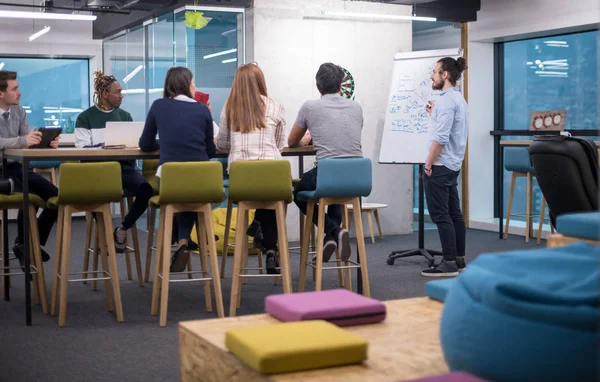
x=259, y=144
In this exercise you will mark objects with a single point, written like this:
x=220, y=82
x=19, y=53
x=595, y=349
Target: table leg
x=25, y=240
x=301, y=218
x=6, y=287
x=359, y=284
x=499, y=151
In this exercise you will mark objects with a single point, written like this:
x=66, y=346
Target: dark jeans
x=268, y=225
x=185, y=222
x=135, y=183
x=441, y=193
x=333, y=217
x=41, y=187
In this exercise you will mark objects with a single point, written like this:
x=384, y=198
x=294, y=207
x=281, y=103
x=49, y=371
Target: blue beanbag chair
x=526, y=316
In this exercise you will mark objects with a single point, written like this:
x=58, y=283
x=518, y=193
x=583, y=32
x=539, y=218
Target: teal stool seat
x=585, y=225
x=339, y=181
x=517, y=159
x=44, y=164
x=341, y=177
x=526, y=315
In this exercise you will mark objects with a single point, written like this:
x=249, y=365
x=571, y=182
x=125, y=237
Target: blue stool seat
x=517, y=159
x=44, y=164
x=584, y=225
x=527, y=315
x=339, y=181
x=341, y=177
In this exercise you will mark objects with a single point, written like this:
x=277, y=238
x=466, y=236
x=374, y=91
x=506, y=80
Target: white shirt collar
x=2, y=111
x=104, y=111
x=184, y=98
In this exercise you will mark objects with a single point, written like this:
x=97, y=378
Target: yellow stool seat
x=295, y=346
x=15, y=200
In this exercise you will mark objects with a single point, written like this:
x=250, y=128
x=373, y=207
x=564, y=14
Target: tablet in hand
x=48, y=135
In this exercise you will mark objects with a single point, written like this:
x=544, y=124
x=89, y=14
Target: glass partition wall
x=140, y=57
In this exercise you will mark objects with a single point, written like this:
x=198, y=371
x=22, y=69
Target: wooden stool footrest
x=354, y=265
x=107, y=277
x=33, y=271
x=175, y=274
x=260, y=274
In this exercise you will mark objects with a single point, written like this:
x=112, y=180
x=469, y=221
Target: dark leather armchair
x=566, y=169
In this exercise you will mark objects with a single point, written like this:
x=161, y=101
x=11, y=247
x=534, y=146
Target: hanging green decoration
x=194, y=19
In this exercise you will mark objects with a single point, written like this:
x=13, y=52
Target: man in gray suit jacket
x=16, y=134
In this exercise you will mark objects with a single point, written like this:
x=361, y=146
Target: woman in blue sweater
x=185, y=128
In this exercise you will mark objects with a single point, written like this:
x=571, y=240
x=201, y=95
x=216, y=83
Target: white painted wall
x=505, y=20
x=289, y=46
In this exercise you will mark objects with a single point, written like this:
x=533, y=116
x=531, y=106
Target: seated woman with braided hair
x=89, y=131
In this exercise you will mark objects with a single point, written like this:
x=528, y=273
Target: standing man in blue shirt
x=448, y=140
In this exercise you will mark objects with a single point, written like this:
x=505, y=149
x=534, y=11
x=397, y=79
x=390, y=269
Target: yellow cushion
x=219, y=216
x=295, y=346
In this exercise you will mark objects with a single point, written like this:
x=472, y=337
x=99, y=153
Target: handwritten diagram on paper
x=405, y=132
x=406, y=106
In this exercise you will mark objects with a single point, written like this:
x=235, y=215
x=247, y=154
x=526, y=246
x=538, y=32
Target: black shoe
x=259, y=241
x=193, y=246
x=180, y=259
x=460, y=263
x=120, y=236
x=253, y=228
x=272, y=263
x=18, y=251
x=343, y=243
x=443, y=269
x=329, y=247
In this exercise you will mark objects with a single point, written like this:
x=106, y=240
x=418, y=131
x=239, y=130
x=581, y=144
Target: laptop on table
x=120, y=135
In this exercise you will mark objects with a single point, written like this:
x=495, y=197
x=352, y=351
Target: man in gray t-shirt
x=335, y=124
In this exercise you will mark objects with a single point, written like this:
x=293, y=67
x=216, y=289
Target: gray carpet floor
x=94, y=347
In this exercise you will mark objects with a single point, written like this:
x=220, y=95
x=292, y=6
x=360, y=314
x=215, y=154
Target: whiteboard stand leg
x=421, y=251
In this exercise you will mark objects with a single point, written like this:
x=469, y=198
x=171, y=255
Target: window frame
x=499, y=131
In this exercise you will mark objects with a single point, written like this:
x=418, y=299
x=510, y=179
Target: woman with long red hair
x=252, y=127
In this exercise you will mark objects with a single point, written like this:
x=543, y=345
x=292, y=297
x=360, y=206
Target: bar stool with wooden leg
x=86, y=187
x=46, y=167
x=125, y=206
x=339, y=181
x=264, y=184
x=15, y=201
x=149, y=167
x=516, y=159
x=187, y=187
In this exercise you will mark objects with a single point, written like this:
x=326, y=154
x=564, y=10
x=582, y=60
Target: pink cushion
x=339, y=306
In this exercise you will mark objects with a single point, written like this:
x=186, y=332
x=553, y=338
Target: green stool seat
x=15, y=200
x=89, y=183
x=187, y=187
x=87, y=187
x=258, y=184
x=261, y=181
